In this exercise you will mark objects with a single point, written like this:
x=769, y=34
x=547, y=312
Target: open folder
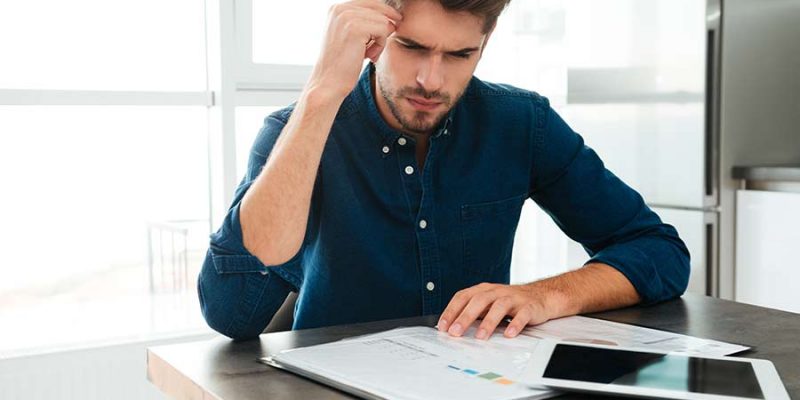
x=423, y=363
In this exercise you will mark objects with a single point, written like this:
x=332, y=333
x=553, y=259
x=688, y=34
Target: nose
x=430, y=75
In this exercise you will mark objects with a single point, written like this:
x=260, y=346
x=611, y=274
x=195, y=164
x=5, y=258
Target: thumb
x=374, y=51
x=378, y=43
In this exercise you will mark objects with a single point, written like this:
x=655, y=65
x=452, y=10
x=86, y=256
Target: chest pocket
x=488, y=233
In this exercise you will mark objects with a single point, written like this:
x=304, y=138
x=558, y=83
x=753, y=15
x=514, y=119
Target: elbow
x=670, y=261
x=678, y=281
x=218, y=302
x=676, y=261
x=685, y=270
x=221, y=320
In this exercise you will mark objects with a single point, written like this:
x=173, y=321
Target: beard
x=416, y=121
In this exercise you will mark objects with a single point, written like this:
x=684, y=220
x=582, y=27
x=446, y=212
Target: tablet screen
x=657, y=371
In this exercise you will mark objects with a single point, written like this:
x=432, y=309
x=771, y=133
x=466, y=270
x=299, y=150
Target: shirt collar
x=364, y=93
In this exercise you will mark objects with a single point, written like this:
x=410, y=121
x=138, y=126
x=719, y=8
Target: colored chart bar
x=489, y=376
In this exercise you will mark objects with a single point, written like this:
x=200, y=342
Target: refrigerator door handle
x=712, y=104
x=712, y=254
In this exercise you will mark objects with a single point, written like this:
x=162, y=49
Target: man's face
x=427, y=64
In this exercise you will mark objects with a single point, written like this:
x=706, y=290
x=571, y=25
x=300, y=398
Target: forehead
x=427, y=23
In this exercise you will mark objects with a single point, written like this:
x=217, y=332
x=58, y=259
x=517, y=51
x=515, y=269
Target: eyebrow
x=412, y=42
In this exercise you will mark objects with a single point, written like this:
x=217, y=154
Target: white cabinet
x=767, y=239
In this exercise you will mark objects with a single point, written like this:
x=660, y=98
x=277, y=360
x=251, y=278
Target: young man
x=396, y=191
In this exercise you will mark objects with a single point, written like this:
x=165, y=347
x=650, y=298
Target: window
x=104, y=167
x=625, y=74
x=82, y=182
x=102, y=45
x=277, y=38
x=125, y=127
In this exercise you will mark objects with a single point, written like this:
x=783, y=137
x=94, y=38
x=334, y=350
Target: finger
x=457, y=303
x=381, y=7
x=367, y=22
x=374, y=52
x=497, y=312
x=375, y=49
x=355, y=18
x=377, y=40
x=453, y=309
x=519, y=322
x=367, y=26
x=445, y=320
x=477, y=304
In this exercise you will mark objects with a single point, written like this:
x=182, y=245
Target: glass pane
x=652, y=47
x=249, y=121
x=276, y=36
x=102, y=45
x=105, y=220
x=527, y=48
x=648, y=46
x=655, y=148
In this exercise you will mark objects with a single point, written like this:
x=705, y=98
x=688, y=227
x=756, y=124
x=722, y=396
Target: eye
x=411, y=46
x=461, y=55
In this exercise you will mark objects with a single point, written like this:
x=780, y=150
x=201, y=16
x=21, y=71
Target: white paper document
x=423, y=363
x=591, y=330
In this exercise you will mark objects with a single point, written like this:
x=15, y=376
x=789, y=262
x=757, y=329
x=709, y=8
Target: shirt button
x=409, y=170
x=423, y=224
x=401, y=141
x=430, y=286
x=264, y=272
x=385, y=149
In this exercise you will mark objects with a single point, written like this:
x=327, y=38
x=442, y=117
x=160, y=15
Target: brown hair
x=488, y=9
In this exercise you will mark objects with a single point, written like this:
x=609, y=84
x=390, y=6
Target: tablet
x=646, y=373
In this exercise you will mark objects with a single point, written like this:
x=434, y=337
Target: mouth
x=422, y=104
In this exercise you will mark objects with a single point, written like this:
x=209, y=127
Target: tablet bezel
x=771, y=385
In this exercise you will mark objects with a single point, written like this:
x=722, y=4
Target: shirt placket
x=419, y=188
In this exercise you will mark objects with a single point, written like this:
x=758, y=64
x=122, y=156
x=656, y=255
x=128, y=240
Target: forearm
x=274, y=211
x=594, y=287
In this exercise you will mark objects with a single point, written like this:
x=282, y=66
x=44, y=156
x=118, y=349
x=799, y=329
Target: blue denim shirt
x=368, y=255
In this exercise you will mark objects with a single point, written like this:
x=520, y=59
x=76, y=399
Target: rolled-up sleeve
x=238, y=294
x=610, y=219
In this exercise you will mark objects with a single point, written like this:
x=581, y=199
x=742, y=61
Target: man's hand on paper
x=493, y=302
x=593, y=287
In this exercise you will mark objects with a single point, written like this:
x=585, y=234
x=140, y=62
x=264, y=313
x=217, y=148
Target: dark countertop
x=222, y=369
x=784, y=173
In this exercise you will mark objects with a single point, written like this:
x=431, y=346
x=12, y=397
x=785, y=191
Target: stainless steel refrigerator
x=753, y=103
